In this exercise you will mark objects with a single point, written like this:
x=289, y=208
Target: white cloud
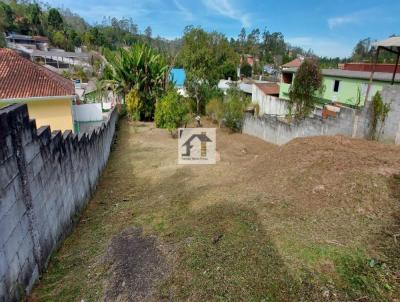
x=358, y=18
x=322, y=46
x=225, y=8
x=188, y=15
x=338, y=21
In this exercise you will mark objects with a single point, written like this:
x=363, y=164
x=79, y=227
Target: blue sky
x=329, y=27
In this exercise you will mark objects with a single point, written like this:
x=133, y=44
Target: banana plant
x=139, y=67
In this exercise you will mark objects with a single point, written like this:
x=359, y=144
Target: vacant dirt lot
x=315, y=220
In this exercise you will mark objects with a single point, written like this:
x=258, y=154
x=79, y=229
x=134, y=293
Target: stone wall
x=349, y=122
x=46, y=179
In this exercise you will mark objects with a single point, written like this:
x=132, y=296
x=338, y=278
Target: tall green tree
x=242, y=41
x=54, y=19
x=148, y=32
x=6, y=21
x=273, y=45
x=306, y=86
x=206, y=58
x=140, y=68
x=363, y=50
x=34, y=18
x=253, y=42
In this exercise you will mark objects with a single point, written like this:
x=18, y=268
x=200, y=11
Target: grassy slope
x=255, y=227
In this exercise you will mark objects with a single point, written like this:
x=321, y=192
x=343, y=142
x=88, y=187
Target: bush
x=246, y=70
x=133, y=105
x=379, y=113
x=234, y=107
x=171, y=111
x=215, y=110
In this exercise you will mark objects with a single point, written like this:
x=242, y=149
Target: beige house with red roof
x=48, y=95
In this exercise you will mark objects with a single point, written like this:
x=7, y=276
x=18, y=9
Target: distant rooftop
x=19, y=37
x=378, y=76
x=391, y=42
x=178, y=76
x=20, y=78
x=294, y=63
x=268, y=88
x=58, y=53
x=361, y=66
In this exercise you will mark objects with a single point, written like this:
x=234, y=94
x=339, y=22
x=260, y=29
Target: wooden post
x=372, y=74
x=397, y=63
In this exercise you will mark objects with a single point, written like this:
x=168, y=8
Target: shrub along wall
x=46, y=178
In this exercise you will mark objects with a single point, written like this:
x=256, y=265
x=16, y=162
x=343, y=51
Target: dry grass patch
x=314, y=220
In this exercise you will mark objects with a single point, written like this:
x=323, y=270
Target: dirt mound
x=334, y=156
x=137, y=266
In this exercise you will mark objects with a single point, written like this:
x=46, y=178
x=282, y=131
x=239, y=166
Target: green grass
x=352, y=272
x=245, y=264
x=242, y=265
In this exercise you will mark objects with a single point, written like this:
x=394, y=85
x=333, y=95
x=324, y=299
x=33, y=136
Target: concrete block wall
x=391, y=129
x=349, y=122
x=46, y=178
x=274, y=130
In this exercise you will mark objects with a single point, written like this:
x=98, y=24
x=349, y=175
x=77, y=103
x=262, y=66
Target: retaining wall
x=46, y=178
x=349, y=122
x=391, y=129
x=87, y=112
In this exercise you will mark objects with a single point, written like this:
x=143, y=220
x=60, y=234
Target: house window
x=336, y=86
x=287, y=77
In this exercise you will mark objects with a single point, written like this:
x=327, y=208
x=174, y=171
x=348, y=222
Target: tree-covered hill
x=68, y=30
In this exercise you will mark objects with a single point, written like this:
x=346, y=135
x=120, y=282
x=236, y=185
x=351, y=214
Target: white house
x=266, y=95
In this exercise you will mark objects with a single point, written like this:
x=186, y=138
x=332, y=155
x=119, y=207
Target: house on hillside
x=59, y=60
x=269, y=69
x=249, y=59
x=37, y=49
x=293, y=64
x=178, y=77
x=47, y=94
x=15, y=41
x=346, y=87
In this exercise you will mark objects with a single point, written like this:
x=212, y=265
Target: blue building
x=178, y=76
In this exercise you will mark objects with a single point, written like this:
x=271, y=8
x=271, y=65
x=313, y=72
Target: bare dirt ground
x=317, y=219
x=136, y=266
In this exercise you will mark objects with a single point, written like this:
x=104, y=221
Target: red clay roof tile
x=294, y=63
x=268, y=88
x=21, y=78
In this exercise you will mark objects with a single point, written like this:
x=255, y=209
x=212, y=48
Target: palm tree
x=142, y=68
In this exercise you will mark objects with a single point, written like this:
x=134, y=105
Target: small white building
x=266, y=95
